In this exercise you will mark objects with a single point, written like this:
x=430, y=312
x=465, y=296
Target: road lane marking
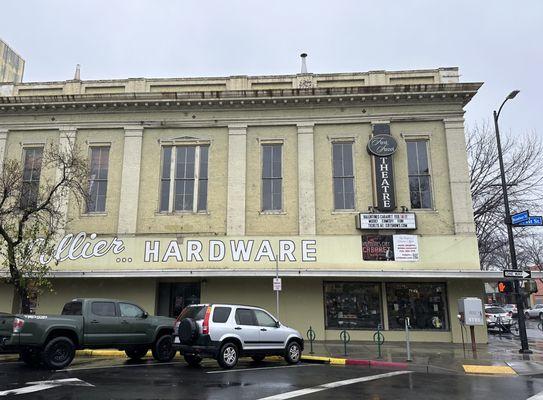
x=119, y=366
x=331, y=385
x=538, y=396
x=260, y=368
x=44, y=385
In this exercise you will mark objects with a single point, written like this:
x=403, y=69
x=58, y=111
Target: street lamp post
x=520, y=303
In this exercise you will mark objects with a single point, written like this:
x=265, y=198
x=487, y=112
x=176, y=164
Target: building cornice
x=458, y=93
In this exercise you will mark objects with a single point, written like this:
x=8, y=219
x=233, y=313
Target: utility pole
x=525, y=349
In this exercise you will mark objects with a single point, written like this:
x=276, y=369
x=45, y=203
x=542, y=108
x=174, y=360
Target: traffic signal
x=506, y=287
x=530, y=286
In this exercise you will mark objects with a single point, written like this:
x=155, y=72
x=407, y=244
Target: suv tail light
x=18, y=324
x=510, y=313
x=205, y=325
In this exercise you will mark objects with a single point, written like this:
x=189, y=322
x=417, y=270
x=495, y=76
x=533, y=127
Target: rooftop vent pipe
x=77, y=76
x=304, y=66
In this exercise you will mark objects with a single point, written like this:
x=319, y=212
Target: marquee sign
x=386, y=221
x=382, y=145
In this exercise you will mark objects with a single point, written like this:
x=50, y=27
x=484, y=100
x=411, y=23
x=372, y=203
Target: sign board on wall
x=382, y=146
x=386, y=221
x=406, y=248
x=390, y=248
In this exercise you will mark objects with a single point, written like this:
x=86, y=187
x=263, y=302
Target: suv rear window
x=221, y=314
x=495, y=310
x=72, y=308
x=245, y=316
x=195, y=312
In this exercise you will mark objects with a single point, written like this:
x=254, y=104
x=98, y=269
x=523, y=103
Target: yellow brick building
x=202, y=187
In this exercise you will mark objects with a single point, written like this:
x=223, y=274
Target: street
x=117, y=378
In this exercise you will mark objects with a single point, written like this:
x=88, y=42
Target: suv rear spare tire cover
x=188, y=331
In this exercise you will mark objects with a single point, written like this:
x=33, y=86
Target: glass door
x=174, y=296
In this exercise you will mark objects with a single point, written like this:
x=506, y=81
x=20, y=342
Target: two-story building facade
x=352, y=187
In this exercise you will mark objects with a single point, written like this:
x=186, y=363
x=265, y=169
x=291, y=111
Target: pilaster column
x=306, y=179
x=237, y=165
x=3, y=140
x=66, y=140
x=130, y=180
x=459, y=176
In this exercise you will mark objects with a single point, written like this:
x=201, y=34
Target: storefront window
x=424, y=303
x=352, y=305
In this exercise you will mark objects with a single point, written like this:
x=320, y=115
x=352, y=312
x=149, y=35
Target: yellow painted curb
x=316, y=358
x=338, y=361
x=489, y=369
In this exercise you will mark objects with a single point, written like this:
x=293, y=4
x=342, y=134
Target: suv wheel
x=293, y=352
x=258, y=358
x=163, y=350
x=192, y=359
x=228, y=355
x=136, y=353
x=58, y=353
x=31, y=357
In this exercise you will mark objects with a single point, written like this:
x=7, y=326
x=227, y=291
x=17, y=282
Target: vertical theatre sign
x=382, y=146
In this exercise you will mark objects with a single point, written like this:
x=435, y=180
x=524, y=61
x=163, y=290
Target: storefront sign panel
x=377, y=248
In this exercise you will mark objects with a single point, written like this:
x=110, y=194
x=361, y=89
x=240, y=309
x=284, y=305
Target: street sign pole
x=520, y=301
x=277, y=291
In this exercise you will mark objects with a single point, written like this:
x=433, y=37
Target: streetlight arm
x=500, y=109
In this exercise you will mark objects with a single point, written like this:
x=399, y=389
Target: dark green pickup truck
x=87, y=324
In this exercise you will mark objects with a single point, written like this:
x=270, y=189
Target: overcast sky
x=496, y=42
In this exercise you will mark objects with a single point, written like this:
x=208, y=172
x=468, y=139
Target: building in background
x=354, y=185
x=12, y=65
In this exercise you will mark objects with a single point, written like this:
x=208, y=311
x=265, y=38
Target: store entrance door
x=174, y=296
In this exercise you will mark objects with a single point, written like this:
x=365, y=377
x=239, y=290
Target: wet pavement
x=101, y=378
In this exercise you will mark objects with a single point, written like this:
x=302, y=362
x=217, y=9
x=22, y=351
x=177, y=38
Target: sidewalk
x=439, y=357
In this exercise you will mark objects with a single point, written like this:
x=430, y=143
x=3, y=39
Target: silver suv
x=228, y=331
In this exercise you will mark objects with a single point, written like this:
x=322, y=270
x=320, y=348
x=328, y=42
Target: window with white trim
x=99, y=167
x=272, y=180
x=184, y=176
x=420, y=188
x=343, y=175
x=32, y=160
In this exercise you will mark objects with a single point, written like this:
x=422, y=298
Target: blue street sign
x=535, y=220
x=519, y=217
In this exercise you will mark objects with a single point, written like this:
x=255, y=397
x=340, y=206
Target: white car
x=226, y=332
x=536, y=311
x=497, y=317
x=512, y=308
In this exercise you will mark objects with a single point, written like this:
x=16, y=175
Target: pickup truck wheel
x=258, y=358
x=136, y=353
x=192, y=359
x=293, y=352
x=58, y=353
x=31, y=357
x=228, y=355
x=163, y=350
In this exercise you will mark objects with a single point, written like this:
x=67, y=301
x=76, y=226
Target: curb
x=354, y=361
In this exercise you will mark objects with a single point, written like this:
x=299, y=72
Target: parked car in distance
x=227, y=332
x=536, y=311
x=512, y=308
x=497, y=317
x=87, y=324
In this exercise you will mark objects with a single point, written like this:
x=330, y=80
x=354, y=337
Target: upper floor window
x=99, y=166
x=188, y=166
x=272, y=180
x=343, y=175
x=32, y=157
x=420, y=188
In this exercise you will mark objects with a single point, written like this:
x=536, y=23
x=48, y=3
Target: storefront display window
x=424, y=303
x=352, y=305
